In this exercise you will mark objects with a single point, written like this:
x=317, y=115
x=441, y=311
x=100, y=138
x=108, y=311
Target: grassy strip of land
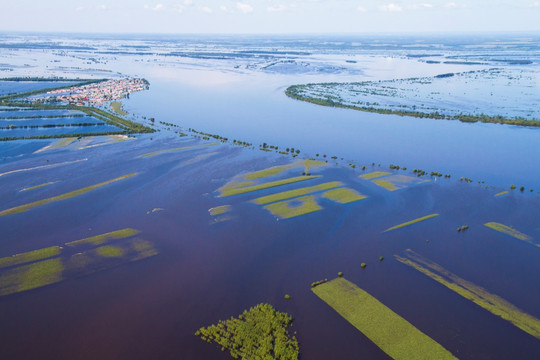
x=343, y=195
x=41, y=167
x=38, y=186
x=390, y=332
x=110, y=251
x=103, y=238
x=480, y=296
x=296, y=192
x=30, y=256
x=501, y=193
x=374, y=175
x=294, y=92
x=508, y=230
x=385, y=184
x=294, y=207
x=308, y=164
x=227, y=191
x=159, y=152
x=116, y=106
x=258, y=333
x=412, y=222
x=69, y=195
x=41, y=117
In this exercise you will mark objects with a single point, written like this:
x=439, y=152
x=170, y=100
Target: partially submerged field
x=162, y=235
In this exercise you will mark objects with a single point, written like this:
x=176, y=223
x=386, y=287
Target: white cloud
x=245, y=8
x=102, y=7
x=206, y=9
x=188, y=2
x=225, y=9
x=450, y=5
x=157, y=7
x=276, y=8
x=361, y=9
x=79, y=8
x=421, y=6
x=535, y=4
x=391, y=8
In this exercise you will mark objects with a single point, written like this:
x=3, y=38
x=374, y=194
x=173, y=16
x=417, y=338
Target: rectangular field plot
x=343, y=195
x=478, y=295
x=508, y=230
x=390, y=332
x=297, y=192
x=375, y=175
x=293, y=208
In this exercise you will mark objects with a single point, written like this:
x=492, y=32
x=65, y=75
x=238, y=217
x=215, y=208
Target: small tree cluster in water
x=258, y=333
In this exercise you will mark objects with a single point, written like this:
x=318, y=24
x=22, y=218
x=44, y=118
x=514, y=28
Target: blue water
x=11, y=87
x=58, y=131
x=48, y=121
x=24, y=113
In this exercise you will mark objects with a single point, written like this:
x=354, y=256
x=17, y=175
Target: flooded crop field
x=380, y=235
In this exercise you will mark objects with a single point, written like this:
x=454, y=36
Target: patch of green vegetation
x=219, y=210
x=343, y=195
x=508, y=230
x=258, y=333
x=385, y=184
x=159, y=152
x=69, y=195
x=267, y=172
x=37, y=186
x=110, y=251
x=30, y=276
x=374, y=175
x=295, y=207
x=116, y=106
x=58, y=144
x=480, y=296
x=390, y=332
x=423, y=218
x=296, y=192
x=227, y=191
x=143, y=248
x=501, y=193
x=30, y=256
x=103, y=238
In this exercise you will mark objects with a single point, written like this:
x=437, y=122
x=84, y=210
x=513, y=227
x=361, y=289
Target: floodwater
x=209, y=268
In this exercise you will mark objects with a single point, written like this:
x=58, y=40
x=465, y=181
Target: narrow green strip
x=385, y=184
x=235, y=191
x=508, y=230
x=481, y=297
x=37, y=186
x=159, y=152
x=411, y=222
x=103, y=238
x=296, y=192
x=393, y=334
x=69, y=195
x=29, y=256
x=501, y=193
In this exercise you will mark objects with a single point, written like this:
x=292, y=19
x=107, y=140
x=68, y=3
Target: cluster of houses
x=97, y=93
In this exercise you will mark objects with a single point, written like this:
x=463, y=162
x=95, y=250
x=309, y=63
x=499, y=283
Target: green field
x=508, y=230
x=480, y=296
x=165, y=151
x=423, y=218
x=38, y=186
x=385, y=184
x=69, y=195
x=343, y=195
x=374, y=175
x=31, y=276
x=296, y=192
x=390, y=332
x=295, y=207
x=501, y=193
x=219, y=210
x=116, y=106
x=228, y=191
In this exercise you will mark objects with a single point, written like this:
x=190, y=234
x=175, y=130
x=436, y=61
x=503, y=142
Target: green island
x=37, y=186
x=508, y=230
x=294, y=207
x=478, y=295
x=423, y=218
x=258, y=333
x=296, y=192
x=31, y=276
x=110, y=251
x=374, y=175
x=385, y=184
x=165, y=151
x=296, y=92
x=390, y=332
x=69, y=195
x=219, y=210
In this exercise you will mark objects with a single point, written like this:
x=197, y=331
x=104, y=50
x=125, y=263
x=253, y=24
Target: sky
x=270, y=16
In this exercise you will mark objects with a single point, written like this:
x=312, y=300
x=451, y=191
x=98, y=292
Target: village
x=97, y=93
